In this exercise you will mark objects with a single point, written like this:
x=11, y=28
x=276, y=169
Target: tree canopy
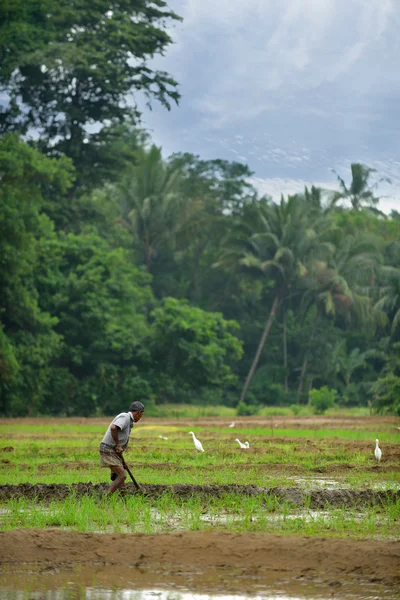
x=128, y=274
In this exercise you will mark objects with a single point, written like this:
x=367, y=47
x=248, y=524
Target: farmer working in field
x=116, y=441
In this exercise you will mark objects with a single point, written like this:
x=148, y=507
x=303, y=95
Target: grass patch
x=51, y=451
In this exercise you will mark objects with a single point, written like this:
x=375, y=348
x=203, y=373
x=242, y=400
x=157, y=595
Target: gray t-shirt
x=125, y=423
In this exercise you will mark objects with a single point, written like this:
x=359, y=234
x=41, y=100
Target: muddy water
x=157, y=594
x=130, y=584
x=164, y=523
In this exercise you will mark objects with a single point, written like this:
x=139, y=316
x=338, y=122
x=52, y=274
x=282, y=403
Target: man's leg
x=119, y=481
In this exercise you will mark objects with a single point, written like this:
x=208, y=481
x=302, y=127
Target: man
x=116, y=441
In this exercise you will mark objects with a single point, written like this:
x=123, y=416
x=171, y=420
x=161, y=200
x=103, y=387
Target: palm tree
x=389, y=298
x=359, y=192
x=337, y=285
x=346, y=364
x=153, y=204
x=272, y=241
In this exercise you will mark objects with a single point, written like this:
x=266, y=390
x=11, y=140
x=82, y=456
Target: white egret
x=162, y=437
x=240, y=444
x=378, y=451
x=247, y=444
x=232, y=424
x=196, y=442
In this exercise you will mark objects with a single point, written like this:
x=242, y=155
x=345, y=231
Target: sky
x=294, y=88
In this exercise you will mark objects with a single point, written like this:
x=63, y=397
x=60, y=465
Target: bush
x=322, y=399
x=246, y=410
x=386, y=392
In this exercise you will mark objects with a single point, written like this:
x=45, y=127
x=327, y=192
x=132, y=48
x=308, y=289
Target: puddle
x=334, y=484
x=182, y=520
x=319, y=482
x=155, y=594
x=116, y=583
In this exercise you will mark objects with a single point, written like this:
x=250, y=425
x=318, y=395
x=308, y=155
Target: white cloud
x=293, y=87
x=264, y=46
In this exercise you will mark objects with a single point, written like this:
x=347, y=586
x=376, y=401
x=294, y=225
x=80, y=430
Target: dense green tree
x=223, y=186
x=191, y=350
x=386, y=389
x=153, y=206
x=81, y=330
x=273, y=241
x=28, y=341
x=70, y=69
x=338, y=285
x=102, y=302
x=389, y=298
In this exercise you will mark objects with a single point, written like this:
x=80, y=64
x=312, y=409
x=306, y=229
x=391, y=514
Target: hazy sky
x=294, y=88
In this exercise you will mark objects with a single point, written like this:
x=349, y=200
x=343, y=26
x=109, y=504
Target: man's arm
x=114, y=434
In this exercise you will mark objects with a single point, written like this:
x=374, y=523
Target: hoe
x=113, y=475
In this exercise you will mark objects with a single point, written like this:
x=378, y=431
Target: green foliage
x=102, y=302
x=359, y=192
x=66, y=67
x=247, y=410
x=386, y=390
x=125, y=274
x=153, y=208
x=191, y=349
x=28, y=339
x=322, y=399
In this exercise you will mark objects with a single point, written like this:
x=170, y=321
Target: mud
x=314, y=499
x=223, y=561
x=301, y=421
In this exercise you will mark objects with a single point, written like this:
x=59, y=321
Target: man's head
x=137, y=409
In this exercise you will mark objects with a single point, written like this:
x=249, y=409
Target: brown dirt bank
x=334, y=561
x=315, y=499
x=302, y=421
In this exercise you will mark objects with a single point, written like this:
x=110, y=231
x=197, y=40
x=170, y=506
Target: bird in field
x=232, y=424
x=196, y=442
x=247, y=444
x=240, y=444
x=162, y=437
x=378, y=451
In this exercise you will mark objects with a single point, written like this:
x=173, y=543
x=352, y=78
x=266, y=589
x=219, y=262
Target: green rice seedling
x=272, y=503
x=140, y=514
x=392, y=512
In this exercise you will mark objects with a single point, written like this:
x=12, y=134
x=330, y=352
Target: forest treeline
x=127, y=274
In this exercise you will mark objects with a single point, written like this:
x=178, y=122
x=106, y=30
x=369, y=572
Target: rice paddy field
x=303, y=478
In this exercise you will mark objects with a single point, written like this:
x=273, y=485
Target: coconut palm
x=337, y=285
x=359, y=193
x=347, y=363
x=272, y=241
x=153, y=205
x=388, y=303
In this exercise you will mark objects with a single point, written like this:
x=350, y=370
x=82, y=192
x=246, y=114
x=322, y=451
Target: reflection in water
x=175, y=595
x=96, y=593
x=102, y=594
x=96, y=582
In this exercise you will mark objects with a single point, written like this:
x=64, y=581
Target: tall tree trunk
x=264, y=336
x=302, y=376
x=305, y=361
x=285, y=363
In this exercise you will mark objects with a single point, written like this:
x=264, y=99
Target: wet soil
x=314, y=499
x=228, y=559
